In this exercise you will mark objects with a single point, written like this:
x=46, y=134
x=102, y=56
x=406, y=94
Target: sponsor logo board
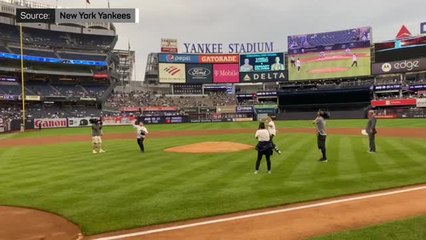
x=172, y=73
x=50, y=123
x=225, y=73
x=199, y=73
x=412, y=65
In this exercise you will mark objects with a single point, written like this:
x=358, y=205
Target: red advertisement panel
x=394, y=102
x=226, y=73
x=219, y=58
x=50, y=123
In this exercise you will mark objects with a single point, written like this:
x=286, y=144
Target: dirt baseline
x=210, y=147
x=37, y=141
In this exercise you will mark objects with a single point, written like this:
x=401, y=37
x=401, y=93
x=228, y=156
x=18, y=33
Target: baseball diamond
x=207, y=120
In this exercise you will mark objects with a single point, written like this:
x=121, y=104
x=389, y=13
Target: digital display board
x=264, y=62
x=327, y=55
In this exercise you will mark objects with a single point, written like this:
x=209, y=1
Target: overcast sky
x=242, y=21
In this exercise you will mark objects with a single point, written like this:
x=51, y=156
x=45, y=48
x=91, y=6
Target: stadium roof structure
x=403, y=33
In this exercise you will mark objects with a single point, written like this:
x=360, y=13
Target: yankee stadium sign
x=203, y=48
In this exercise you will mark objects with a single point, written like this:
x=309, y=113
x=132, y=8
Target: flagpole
x=22, y=77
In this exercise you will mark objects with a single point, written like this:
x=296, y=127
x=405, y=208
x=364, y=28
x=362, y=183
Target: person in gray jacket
x=321, y=133
x=371, y=131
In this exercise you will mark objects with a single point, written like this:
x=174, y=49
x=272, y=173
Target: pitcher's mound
x=210, y=147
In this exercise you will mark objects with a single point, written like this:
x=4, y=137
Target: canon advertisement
x=50, y=123
x=199, y=73
x=413, y=65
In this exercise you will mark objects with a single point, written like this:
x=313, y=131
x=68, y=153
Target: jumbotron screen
x=337, y=54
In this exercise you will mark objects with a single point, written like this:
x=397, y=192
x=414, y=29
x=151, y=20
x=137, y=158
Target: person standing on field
x=371, y=131
x=272, y=132
x=321, y=133
x=263, y=147
x=141, y=133
x=97, y=137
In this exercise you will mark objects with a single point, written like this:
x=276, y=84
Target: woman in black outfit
x=263, y=147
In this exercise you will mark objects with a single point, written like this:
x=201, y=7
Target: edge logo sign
x=199, y=72
x=399, y=66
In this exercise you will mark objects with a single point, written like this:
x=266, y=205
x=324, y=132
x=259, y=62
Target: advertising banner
x=8, y=97
x=79, y=122
x=337, y=54
x=87, y=99
x=413, y=65
x=199, y=73
x=264, y=76
x=2, y=128
x=387, y=87
x=244, y=109
x=172, y=73
x=169, y=45
x=417, y=87
x=421, y=102
x=50, y=123
x=178, y=58
x=225, y=73
x=7, y=79
x=395, y=102
x=32, y=98
x=221, y=58
x=262, y=62
x=116, y=121
x=226, y=109
x=158, y=109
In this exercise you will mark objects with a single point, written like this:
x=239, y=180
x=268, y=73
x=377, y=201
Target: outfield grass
x=382, y=123
x=411, y=229
x=363, y=68
x=124, y=189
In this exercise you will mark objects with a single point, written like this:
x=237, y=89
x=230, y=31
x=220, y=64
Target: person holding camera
x=97, y=136
x=141, y=133
x=370, y=129
x=263, y=147
x=321, y=133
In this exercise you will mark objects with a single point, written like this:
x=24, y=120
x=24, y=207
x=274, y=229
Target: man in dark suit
x=371, y=131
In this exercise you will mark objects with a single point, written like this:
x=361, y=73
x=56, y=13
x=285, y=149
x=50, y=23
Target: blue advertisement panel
x=337, y=54
x=264, y=62
x=178, y=58
x=199, y=73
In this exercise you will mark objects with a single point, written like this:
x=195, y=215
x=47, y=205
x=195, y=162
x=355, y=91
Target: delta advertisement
x=172, y=73
x=412, y=65
x=199, y=73
x=336, y=54
x=225, y=73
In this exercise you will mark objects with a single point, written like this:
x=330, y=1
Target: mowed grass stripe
x=126, y=188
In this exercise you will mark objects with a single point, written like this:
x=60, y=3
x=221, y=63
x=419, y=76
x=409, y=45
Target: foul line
x=261, y=214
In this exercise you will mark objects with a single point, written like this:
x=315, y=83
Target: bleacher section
x=41, y=88
x=30, y=52
x=82, y=56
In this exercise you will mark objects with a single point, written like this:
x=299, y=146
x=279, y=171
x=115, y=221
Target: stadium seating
x=30, y=52
x=77, y=56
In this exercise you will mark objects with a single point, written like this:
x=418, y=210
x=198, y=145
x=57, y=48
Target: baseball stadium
x=87, y=152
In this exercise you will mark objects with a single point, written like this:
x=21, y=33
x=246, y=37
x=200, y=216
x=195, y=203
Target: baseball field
x=56, y=171
x=335, y=64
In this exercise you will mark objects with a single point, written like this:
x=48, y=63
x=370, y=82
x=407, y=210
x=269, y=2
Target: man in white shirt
x=298, y=64
x=354, y=60
x=141, y=133
x=272, y=132
x=246, y=67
